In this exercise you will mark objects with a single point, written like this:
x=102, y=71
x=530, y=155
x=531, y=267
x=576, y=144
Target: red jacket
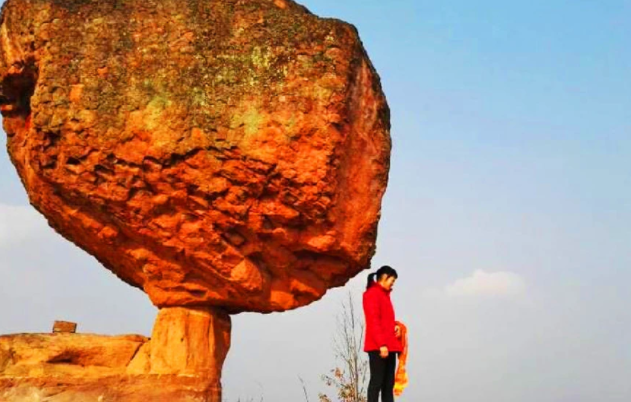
x=379, y=315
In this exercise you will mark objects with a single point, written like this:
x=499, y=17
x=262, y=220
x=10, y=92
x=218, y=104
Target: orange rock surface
x=181, y=362
x=213, y=153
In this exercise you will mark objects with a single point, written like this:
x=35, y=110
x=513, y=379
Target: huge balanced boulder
x=223, y=153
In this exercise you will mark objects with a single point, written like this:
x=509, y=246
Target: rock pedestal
x=193, y=342
x=181, y=362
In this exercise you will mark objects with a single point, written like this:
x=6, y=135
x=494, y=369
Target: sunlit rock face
x=228, y=154
x=182, y=362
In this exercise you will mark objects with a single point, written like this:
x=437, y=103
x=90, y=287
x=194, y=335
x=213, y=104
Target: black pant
x=381, y=377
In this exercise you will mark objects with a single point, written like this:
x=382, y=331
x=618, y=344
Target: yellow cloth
x=401, y=377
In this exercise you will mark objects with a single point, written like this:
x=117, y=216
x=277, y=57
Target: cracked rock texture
x=213, y=153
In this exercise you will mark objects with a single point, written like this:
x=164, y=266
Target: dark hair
x=385, y=270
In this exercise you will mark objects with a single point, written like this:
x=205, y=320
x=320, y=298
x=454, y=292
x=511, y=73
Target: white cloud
x=482, y=283
x=18, y=223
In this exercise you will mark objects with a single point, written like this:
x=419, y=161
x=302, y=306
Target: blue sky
x=508, y=214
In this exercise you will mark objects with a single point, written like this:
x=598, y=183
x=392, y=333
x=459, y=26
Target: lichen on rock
x=213, y=153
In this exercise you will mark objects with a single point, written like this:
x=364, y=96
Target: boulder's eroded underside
x=213, y=153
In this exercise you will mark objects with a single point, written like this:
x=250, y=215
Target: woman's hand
x=397, y=331
x=383, y=352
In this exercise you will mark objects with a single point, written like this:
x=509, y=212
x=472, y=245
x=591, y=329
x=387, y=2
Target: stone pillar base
x=182, y=362
x=190, y=341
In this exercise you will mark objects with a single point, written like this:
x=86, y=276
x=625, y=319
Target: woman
x=382, y=335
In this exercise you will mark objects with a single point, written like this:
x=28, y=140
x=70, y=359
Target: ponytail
x=371, y=279
x=385, y=270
